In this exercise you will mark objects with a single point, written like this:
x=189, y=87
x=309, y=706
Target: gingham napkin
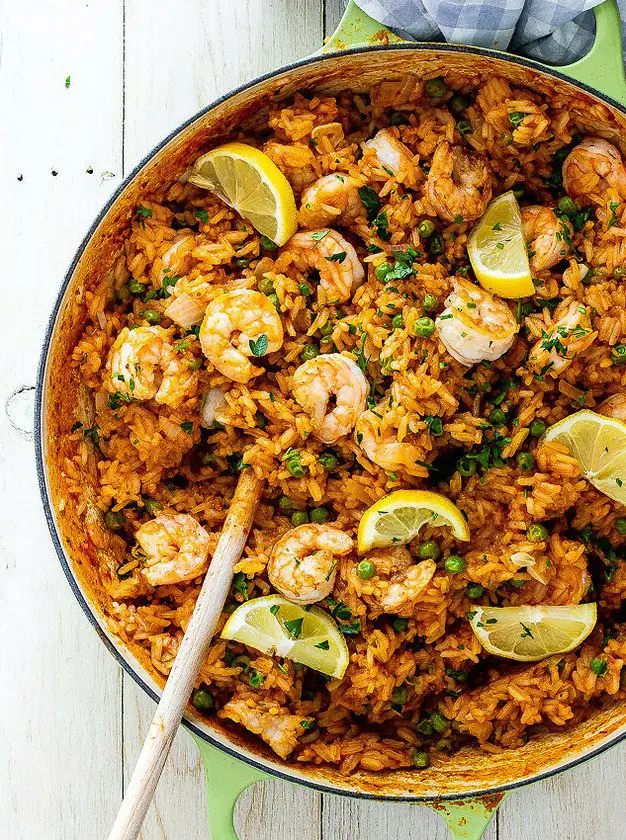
x=554, y=31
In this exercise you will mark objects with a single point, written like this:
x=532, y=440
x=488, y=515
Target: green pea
x=327, y=329
x=475, y=590
x=425, y=727
x=519, y=193
x=620, y=525
x=319, y=515
x=420, y=759
x=618, y=354
x=436, y=88
x=267, y=244
x=328, y=460
x=429, y=302
x=400, y=695
x=309, y=351
x=381, y=271
x=516, y=118
x=439, y=722
x=426, y=228
x=285, y=503
x=151, y=316
x=114, y=519
x=299, y=517
x=537, y=533
x=424, y=327
x=240, y=262
x=435, y=426
x=366, y=569
x=455, y=564
x=458, y=103
x=400, y=625
x=261, y=420
x=135, y=287
x=202, y=700
x=397, y=322
x=398, y=118
x=444, y=745
x=466, y=466
x=497, y=417
x=152, y=506
x=196, y=364
x=305, y=289
x=598, y=666
x=242, y=662
x=516, y=583
x=274, y=299
x=567, y=205
x=123, y=294
x=429, y=550
x=525, y=461
x=537, y=427
x=507, y=138
x=464, y=127
x=265, y=286
x=435, y=245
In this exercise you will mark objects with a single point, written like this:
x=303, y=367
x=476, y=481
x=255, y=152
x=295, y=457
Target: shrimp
x=593, y=167
x=568, y=338
x=381, y=445
x=177, y=260
x=143, y=365
x=475, y=326
x=331, y=377
x=334, y=199
x=393, y=155
x=548, y=237
x=176, y=548
x=237, y=325
x=399, y=583
x=296, y=161
x=267, y=718
x=303, y=564
x=459, y=183
x=326, y=251
x=614, y=406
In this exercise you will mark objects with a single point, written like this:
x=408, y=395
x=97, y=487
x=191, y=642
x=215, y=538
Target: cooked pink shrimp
x=548, y=237
x=326, y=251
x=177, y=260
x=333, y=200
x=296, y=161
x=475, y=326
x=459, y=183
x=267, y=718
x=399, y=583
x=176, y=548
x=383, y=447
x=303, y=563
x=593, y=167
x=393, y=155
x=143, y=365
x=238, y=325
x=614, y=406
x=331, y=377
x=567, y=339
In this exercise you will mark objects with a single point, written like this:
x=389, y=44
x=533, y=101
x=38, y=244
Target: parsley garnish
x=294, y=627
x=370, y=201
x=240, y=586
x=259, y=347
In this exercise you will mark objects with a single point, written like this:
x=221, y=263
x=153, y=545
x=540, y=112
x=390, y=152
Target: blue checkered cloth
x=553, y=31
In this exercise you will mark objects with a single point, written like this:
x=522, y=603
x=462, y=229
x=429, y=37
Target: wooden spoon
x=189, y=659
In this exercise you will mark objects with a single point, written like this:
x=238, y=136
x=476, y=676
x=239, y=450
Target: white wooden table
x=71, y=723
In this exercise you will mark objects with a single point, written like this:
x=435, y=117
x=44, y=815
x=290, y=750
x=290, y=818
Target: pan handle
x=602, y=68
x=227, y=778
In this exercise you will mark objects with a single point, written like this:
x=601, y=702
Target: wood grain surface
x=71, y=724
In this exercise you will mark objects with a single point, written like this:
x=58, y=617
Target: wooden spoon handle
x=189, y=659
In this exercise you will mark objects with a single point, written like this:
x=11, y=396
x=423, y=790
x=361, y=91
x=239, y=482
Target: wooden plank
x=176, y=64
x=60, y=731
x=586, y=803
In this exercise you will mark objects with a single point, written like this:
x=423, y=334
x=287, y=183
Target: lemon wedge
x=274, y=625
x=497, y=250
x=397, y=518
x=250, y=182
x=528, y=634
x=599, y=445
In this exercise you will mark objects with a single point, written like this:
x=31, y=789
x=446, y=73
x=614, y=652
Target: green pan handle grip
x=602, y=68
x=227, y=778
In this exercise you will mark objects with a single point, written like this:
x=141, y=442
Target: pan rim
x=39, y=427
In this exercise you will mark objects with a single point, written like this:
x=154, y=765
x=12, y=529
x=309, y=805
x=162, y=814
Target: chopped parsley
x=241, y=587
x=370, y=201
x=259, y=347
